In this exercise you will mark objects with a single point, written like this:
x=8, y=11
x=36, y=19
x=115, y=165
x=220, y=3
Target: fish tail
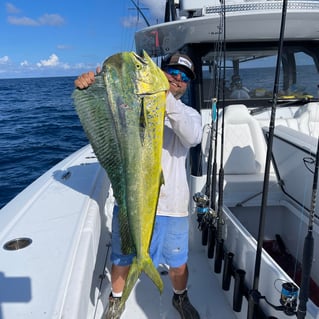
x=135, y=271
x=152, y=273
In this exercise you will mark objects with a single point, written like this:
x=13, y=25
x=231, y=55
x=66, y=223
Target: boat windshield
x=249, y=74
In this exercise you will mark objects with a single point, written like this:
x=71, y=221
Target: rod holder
x=228, y=268
x=204, y=235
x=211, y=241
x=238, y=289
x=219, y=256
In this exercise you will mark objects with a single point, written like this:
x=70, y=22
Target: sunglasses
x=176, y=72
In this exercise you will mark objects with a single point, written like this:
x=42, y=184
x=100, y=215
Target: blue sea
x=38, y=128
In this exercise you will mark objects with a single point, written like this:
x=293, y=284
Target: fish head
x=147, y=77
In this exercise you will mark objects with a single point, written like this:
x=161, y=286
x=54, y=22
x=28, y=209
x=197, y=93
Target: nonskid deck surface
x=203, y=289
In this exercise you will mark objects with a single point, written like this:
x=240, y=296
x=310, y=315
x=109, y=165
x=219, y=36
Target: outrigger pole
x=254, y=295
x=307, y=256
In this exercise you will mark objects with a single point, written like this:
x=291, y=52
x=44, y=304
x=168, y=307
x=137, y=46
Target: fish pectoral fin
x=146, y=265
x=143, y=121
x=143, y=115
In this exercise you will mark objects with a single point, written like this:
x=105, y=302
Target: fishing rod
x=308, y=249
x=211, y=223
x=219, y=239
x=205, y=203
x=207, y=215
x=212, y=191
x=254, y=295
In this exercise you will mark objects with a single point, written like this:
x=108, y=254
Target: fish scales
x=99, y=126
x=122, y=114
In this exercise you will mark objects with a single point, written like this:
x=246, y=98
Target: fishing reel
x=288, y=298
x=202, y=207
x=205, y=215
x=202, y=203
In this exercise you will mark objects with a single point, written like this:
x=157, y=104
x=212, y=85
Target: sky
x=40, y=38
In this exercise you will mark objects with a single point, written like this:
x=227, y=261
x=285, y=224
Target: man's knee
x=178, y=270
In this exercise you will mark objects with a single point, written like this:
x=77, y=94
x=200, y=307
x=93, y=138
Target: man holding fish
x=169, y=233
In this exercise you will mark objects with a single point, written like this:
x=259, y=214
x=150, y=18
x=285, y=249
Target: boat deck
x=204, y=291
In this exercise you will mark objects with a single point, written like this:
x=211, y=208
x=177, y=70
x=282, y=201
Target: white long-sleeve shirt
x=182, y=130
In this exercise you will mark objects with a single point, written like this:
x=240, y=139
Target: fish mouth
x=139, y=58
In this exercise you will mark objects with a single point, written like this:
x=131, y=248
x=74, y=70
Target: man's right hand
x=86, y=79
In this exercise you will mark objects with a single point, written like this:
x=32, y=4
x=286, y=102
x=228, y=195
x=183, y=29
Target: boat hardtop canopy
x=201, y=21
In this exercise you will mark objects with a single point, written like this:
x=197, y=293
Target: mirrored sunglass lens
x=184, y=77
x=176, y=72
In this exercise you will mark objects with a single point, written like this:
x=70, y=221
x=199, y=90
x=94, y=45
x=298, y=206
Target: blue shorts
x=169, y=243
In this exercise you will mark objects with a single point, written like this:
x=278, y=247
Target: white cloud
x=157, y=8
x=51, y=19
x=22, y=21
x=65, y=66
x=64, y=47
x=10, y=8
x=52, y=61
x=130, y=21
x=46, y=19
x=24, y=63
x=152, y=10
x=4, y=59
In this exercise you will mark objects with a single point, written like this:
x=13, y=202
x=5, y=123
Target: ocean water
x=38, y=128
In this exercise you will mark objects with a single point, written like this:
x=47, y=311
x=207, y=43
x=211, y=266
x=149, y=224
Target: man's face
x=176, y=84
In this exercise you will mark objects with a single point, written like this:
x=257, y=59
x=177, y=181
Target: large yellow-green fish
x=122, y=113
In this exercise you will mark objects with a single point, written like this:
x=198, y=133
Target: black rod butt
x=228, y=268
x=238, y=289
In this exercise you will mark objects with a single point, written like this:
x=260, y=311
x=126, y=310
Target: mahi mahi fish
x=122, y=114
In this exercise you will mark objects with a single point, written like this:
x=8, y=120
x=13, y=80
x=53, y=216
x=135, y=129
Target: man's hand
x=86, y=79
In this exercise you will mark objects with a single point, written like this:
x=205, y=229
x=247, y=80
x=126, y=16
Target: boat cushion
x=308, y=119
x=244, y=143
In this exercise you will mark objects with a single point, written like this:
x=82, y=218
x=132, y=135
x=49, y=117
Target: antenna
x=140, y=12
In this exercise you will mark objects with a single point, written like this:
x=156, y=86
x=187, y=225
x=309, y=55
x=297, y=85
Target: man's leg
x=175, y=251
x=118, y=278
x=120, y=268
x=179, y=277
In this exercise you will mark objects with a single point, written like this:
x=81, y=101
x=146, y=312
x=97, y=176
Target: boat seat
x=308, y=119
x=288, y=122
x=244, y=155
x=244, y=143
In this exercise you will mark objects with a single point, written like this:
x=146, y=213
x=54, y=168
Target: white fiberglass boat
x=249, y=217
